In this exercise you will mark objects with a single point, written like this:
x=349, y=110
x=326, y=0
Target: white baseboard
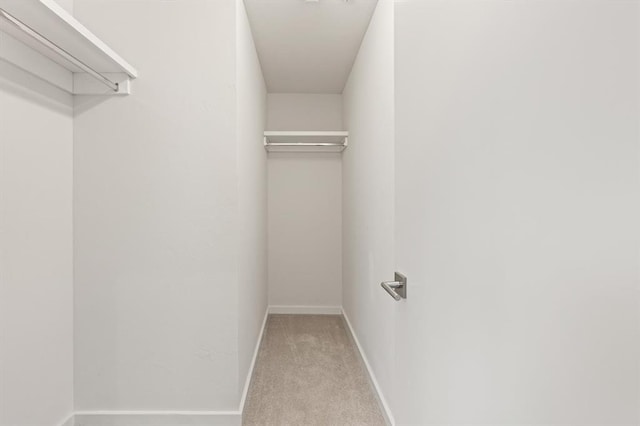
x=306, y=310
x=158, y=418
x=247, y=382
x=222, y=418
x=171, y=418
x=386, y=410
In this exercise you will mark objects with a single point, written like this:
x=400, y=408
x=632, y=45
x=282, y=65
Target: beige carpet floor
x=309, y=373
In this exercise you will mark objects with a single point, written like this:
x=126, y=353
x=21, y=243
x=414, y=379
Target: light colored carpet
x=309, y=373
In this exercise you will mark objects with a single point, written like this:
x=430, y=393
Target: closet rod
x=304, y=144
x=58, y=50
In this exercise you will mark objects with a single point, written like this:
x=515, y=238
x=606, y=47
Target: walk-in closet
x=319, y=212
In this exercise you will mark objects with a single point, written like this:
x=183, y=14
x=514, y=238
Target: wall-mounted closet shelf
x=295, y=141
x=42, y=38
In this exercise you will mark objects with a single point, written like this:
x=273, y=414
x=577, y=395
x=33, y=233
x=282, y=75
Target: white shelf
x=55, y=24
x=298, y=141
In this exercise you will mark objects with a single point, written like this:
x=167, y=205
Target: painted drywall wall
x=305, y=204
x=156, y=213
x=36, y=266
x=252, y=194
x=523, y=293
x=305, y=230
x=300, y=111
x=368, y=198
x=517, y=149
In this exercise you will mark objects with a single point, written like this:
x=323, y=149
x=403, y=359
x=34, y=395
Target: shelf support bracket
x=86, y=84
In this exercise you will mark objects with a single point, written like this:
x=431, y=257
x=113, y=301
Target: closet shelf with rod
x=299, y=141
x=42, y=38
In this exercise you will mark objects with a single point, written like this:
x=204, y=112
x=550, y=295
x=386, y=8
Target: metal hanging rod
x=305, y=141
x=58, y=50
x=303, y=144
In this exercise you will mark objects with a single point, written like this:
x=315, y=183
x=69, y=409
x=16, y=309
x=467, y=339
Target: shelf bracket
x=86, y=84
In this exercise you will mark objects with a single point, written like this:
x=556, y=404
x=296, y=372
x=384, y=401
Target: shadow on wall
x=84, y=103
x=15, y=81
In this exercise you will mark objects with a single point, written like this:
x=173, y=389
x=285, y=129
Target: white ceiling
x=308, y=47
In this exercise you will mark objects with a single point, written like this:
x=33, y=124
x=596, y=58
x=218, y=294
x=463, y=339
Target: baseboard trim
x=224, y=418
x=386, y=410
x=247, y=382
x=172, y=418
x=305, y=310
x=158, y=418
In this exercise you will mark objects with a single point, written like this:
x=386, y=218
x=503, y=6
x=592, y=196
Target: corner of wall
x=251, y=262
x=368, y=215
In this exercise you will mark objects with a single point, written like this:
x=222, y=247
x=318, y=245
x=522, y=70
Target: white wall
x=303, y=111
x=36, y=288
x=252, y=193
x=516, y=188
x=517, y=148
x=368, y=197
x=156, y=213
x=305, y=204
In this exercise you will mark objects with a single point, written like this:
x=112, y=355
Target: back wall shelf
x=312, y=141
x=42, y=38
